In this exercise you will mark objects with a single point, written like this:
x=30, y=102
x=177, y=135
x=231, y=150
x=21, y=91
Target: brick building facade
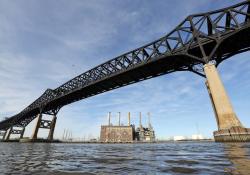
x=117, y=134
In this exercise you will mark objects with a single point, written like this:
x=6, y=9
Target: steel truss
x=199, y=39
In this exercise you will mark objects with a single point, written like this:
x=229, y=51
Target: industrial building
x=145, y=133
x=126, y=133
x=117, y=133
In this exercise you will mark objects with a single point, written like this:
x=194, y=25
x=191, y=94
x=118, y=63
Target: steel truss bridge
x=198, y=39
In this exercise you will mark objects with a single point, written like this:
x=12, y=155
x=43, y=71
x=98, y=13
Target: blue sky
x=45, y=43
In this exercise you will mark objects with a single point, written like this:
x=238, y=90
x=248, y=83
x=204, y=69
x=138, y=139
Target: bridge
x=198, y=44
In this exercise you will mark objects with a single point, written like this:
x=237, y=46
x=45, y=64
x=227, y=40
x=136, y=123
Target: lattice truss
x=45, y=124
x=2, y=133
x=194, y=31
x=16, y=131
x=189, y=38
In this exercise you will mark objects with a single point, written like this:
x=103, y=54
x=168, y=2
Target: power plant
x=126, y=133
x=145, y=133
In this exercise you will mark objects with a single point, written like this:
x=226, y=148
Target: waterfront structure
x=145, y=133
x=179, y=138
x=14, y=131
x=117, y=133
x=197, y=137
x=2, y=135
x=45, y=124
x=198, y=44
x=120, y=133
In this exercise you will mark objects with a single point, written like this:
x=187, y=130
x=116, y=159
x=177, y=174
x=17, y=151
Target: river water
x=165, y=158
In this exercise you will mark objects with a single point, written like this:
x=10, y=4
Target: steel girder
x=199, y=39
x=16, y=131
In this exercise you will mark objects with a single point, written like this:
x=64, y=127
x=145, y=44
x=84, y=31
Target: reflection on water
x=167, y=158
x=239, y=155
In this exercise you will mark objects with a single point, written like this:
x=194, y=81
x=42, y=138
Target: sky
x=45, y=43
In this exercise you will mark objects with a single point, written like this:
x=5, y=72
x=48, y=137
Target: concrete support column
x=4, y=135
x=226, y=117
x=212, y=101
x=7, y=137
x=230, y=128
x=38, y=123
x=22, y=133
x=52, y=128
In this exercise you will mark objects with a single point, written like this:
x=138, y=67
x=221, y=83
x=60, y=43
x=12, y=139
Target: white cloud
x=44, y=44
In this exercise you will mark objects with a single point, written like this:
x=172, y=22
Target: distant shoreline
x=136, y=142
x=97, y=142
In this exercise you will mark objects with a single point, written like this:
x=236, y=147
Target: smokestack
x=129, y=119
x=140, y=120
x=119, y=115
x=109, y=116
x=149, y=122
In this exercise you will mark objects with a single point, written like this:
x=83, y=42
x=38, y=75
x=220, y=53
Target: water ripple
x=167, y=158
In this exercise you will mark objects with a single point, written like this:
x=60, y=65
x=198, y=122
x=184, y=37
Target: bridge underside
x=198, y=40
x=160, y=66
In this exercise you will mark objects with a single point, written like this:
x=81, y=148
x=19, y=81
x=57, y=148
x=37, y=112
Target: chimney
x=140, y=120
x=149, y=122
x=119, y=115
x=129, y=119
x=109, y=116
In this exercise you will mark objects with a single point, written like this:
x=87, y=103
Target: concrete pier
x=52, y=128
x=3, y=134
x=37, y=126
x=229, y=126
x=14, y=131
x=234, y=134
x=45, y=124
x=8, y=133
x=22, y=133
